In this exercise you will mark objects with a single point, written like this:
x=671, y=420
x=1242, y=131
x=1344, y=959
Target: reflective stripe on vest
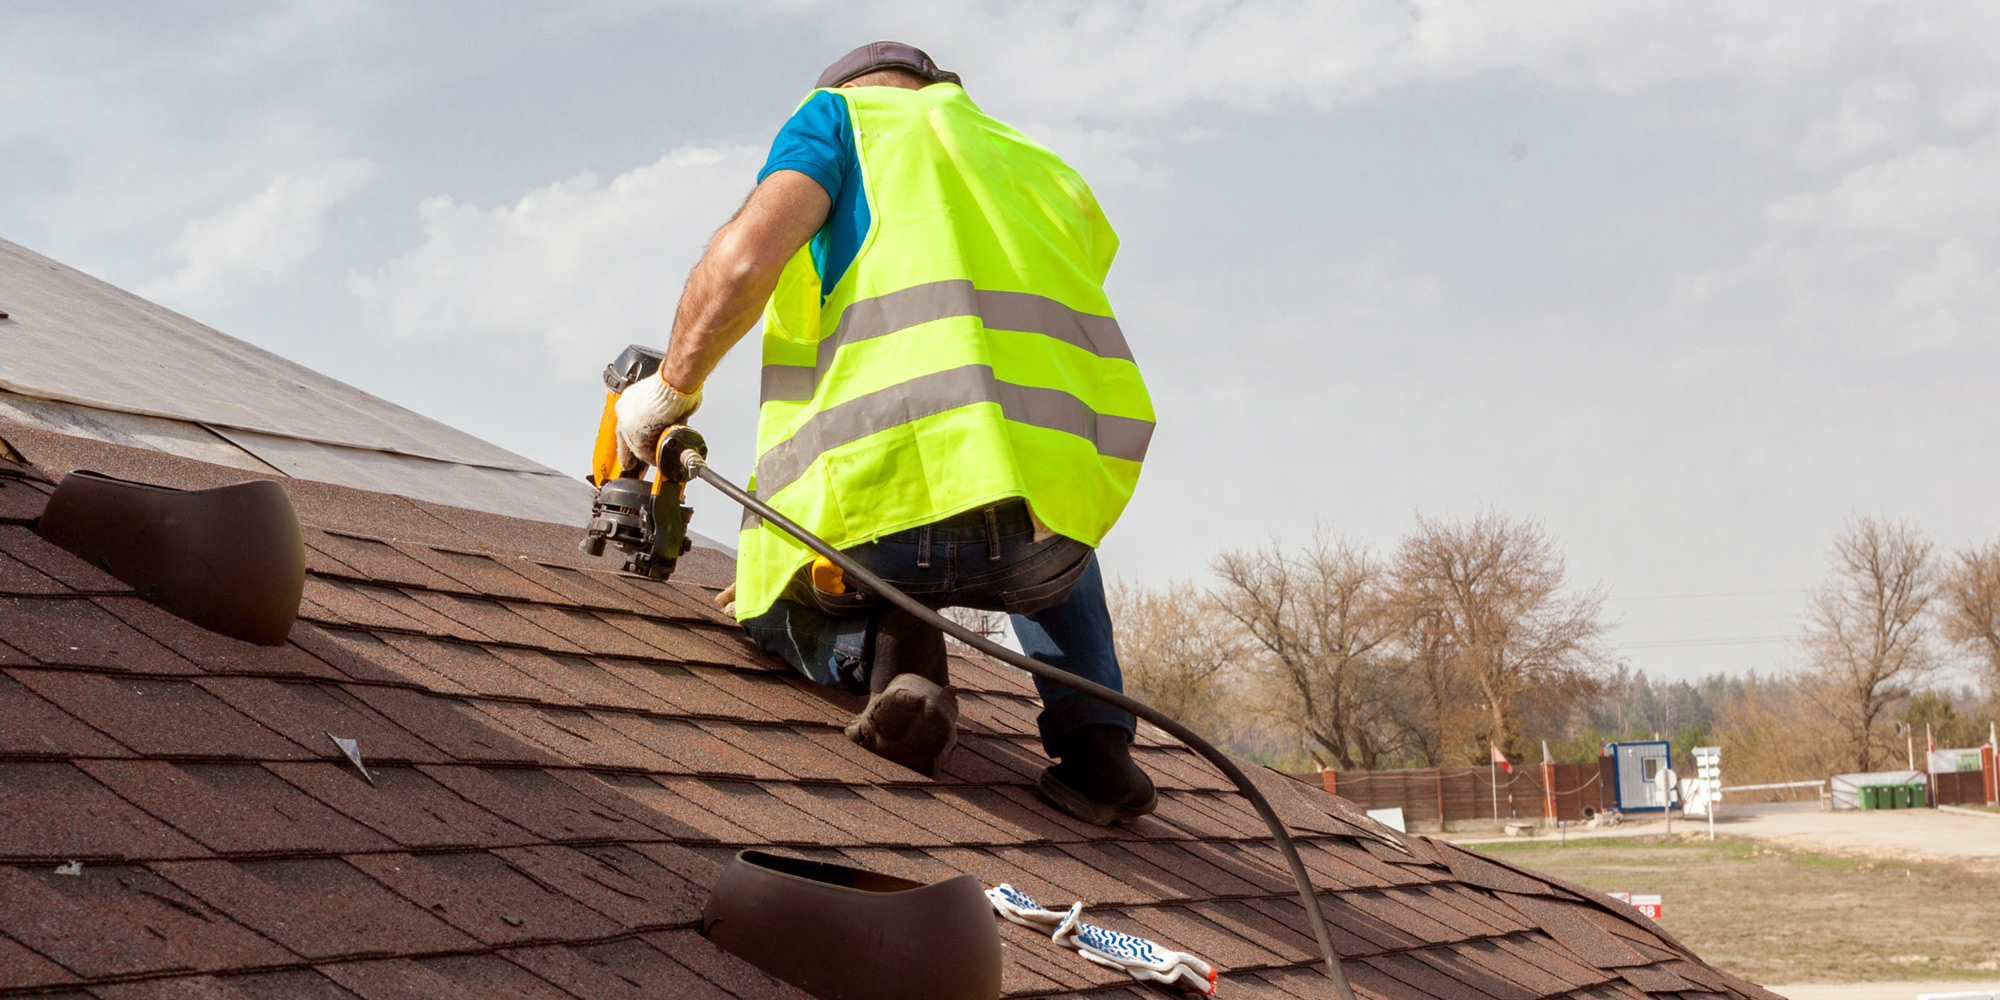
x=887, y=314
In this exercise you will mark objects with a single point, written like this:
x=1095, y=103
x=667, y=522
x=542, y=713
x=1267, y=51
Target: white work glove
x=645, y=411
x=1137, y=957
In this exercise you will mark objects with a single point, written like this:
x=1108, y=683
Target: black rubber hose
x=1307, y=896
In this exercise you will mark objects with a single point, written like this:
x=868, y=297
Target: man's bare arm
x=728, y=289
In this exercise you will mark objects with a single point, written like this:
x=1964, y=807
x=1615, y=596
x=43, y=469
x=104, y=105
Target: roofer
x=945, y=396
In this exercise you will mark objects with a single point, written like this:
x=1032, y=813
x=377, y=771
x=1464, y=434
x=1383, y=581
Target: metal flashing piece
x=352, y=748
x=842, y=933
x=230, y=559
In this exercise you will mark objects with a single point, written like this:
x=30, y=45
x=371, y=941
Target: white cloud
x=265, y=235
x=1147, y=58
x=571, y=269
x=1928, y=190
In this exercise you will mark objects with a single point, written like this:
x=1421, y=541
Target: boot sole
x=1089, y=810
x=913, y=723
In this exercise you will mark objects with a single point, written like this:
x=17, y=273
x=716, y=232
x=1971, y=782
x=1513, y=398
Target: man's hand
x=645, y=411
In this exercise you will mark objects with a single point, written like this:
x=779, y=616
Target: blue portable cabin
x=1635, y=769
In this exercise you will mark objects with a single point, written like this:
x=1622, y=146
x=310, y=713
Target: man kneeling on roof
x=946, y=397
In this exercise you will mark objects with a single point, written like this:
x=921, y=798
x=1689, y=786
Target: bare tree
x=1176, y=648
x=1868, y=634
x=1490, y=596
x=1439, y=708
x=1318, y=622
x=1971, y=610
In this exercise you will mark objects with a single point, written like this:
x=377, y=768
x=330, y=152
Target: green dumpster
x=1869, y=797
x=1917, y=796
x=1902, y=796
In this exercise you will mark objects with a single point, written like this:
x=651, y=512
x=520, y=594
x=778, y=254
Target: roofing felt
x=156, y=379
x=563, y=758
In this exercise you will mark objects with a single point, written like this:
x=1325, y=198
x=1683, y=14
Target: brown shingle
x=1568, y=923
x=749, y=806
x=450, y=725
x=216, y=653
x=484, y=896
x=694, y=748
x=75, y=575
x=21, y=968
x=477, y=669
x=624, y=885
x=52, y=810
x=490, y=976
x=581, y=680
x=371, y=607
x=403, y=804
x=32, y=727
x=234, y=808
x=628, y=969
x=358, y=656
x=377, y=561
x=490, y=620
x=320, y=907
x=863, y=821
x=737, y=977
x=1403, y=973
x=681, y=688
x=20, y=501
x=575, y=736
x=74, y=632
x=397, y=979
x=479, y=574
x=534, y=800
x=792, y=754
x=17, y=577
x=289, y=984
x=160, y=717
x=311, y=714
x=123, y=920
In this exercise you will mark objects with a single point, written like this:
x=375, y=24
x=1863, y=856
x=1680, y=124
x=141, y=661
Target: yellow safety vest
x=967, y=355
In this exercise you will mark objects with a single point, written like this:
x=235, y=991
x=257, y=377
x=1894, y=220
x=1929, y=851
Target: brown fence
x=1960, y=788
x=1460, y=794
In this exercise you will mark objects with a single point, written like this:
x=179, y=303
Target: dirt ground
x=1779, y=914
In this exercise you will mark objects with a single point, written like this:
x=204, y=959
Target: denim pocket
x=1050, y=592
x=853, y=602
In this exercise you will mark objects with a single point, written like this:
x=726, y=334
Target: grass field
x=1774, y=915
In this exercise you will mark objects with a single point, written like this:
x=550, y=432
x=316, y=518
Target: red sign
x=1644, y=903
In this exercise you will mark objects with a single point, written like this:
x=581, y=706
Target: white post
x=1493, y=782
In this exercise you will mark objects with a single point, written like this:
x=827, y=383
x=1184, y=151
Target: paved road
x=1878, y=991
x=1895, y=833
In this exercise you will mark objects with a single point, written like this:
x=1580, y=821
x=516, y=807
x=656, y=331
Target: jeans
x=986, y=559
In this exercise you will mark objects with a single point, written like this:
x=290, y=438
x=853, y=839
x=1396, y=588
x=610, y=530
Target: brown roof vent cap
x=230, y=559
x=843, y=933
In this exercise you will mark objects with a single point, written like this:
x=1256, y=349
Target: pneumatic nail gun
x=646, y=519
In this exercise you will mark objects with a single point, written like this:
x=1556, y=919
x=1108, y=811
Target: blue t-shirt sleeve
x=817, y=142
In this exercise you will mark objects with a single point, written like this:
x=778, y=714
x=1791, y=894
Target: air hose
x=698, y=466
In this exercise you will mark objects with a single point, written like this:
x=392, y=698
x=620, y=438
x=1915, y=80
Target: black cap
x=883, y=55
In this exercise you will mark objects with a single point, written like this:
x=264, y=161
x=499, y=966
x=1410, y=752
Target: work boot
x=912, y=721
x=1097, y=782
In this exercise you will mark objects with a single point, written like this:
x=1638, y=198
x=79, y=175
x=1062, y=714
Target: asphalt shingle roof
x=564, y=758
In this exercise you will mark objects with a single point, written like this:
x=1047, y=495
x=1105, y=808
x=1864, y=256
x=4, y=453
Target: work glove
x=645, y=411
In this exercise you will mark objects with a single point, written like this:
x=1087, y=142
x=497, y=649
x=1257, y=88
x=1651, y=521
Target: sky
x=1689, y=283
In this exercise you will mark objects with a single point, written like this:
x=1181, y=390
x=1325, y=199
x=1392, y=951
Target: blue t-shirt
x=818, y=141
